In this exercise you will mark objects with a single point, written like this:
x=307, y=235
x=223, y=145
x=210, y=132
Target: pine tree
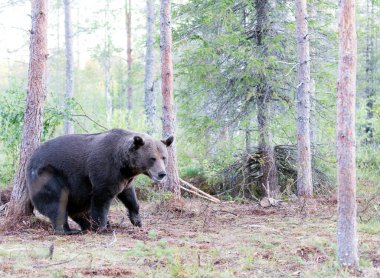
x=346, y=141
x=304, y=178
x=263, y=97
x=20, y=204
x=69, y=86
x=149, y=101
x=168, y=113
x=128, y=20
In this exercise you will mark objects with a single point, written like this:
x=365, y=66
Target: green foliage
x=191, y=171
x=219, y=67
x=12, y=109
x=371, y=227
x=217, y=64
x=160, y=250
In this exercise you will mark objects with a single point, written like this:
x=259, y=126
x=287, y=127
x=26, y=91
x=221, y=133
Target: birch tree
x=168, y=113
x=20, y=204
x=149, y=101
x=304, y=176
x=346, y=141
x=69, y=85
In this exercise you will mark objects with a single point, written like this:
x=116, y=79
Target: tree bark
x=269, y=169
x=69, y=86
x=168, y=114
x=107, y=89
x=313, y=119
x=106, y=61
x=346, y=142
x=263, y=99
x=150, y=100
x=20, y=204
x=304, y=176
x=128, y=18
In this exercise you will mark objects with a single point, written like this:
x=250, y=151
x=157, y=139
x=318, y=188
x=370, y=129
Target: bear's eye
x=164, y=158
x=153, y=159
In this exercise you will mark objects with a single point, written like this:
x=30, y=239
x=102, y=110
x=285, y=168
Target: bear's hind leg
x=50, y=197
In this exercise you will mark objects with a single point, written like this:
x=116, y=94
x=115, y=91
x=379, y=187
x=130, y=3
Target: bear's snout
x=157, y=177
x=161, y=175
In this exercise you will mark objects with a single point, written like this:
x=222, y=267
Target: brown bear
x=79, y=175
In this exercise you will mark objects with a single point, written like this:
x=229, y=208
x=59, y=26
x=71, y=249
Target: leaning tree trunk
x=20, y=204
x=128, y=18
x=69, y=86
x=304, y=178
x=346, y=141
x=263, y=98
x=168, y=113
x=150, y=101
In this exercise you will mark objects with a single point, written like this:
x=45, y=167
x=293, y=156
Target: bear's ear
x=138, y=142
x=168, y=140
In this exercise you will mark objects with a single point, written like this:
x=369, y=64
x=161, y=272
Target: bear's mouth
x=155, y=178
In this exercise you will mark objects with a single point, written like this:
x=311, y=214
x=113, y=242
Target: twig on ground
x=3, y=209
x=113, y=240
x=51, y=251
x=226, y=211
x=368, y=203
x=59, y=263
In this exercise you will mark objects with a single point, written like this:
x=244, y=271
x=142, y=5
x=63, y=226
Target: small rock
x=265, y=202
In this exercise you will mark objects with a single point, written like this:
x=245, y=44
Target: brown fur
x=78, y=175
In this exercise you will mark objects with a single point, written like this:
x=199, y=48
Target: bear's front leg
x=100, y=206
x=129, y=199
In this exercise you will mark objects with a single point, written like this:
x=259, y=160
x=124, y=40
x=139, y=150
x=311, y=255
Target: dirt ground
x=230, y=239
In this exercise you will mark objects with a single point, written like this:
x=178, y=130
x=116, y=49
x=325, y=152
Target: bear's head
x=148, y=156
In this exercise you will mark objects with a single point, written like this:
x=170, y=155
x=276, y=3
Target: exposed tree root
x=196, y=191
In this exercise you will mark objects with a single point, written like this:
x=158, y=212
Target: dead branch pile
x=243, y=176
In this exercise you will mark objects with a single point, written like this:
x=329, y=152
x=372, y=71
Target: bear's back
x=66, y=153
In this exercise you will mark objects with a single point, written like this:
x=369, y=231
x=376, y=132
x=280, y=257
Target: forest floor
x=229, y=239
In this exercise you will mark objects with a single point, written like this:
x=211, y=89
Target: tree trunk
x=313, y=119
x=69, y=86
x=20, y=204
x=107, y=89
x=150, y=101
x=129, y=54
x=369, y=73
x=168, y=113
x=106, y=60
x=263, y=99
x=346, y=90
x=269, y=169
x=304, y=178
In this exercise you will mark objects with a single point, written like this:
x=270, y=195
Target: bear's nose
x=161, y=175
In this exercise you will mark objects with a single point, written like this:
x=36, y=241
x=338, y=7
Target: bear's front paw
x=135, y=219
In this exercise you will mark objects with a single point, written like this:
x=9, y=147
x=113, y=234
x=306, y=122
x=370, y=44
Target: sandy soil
x=199, y=240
